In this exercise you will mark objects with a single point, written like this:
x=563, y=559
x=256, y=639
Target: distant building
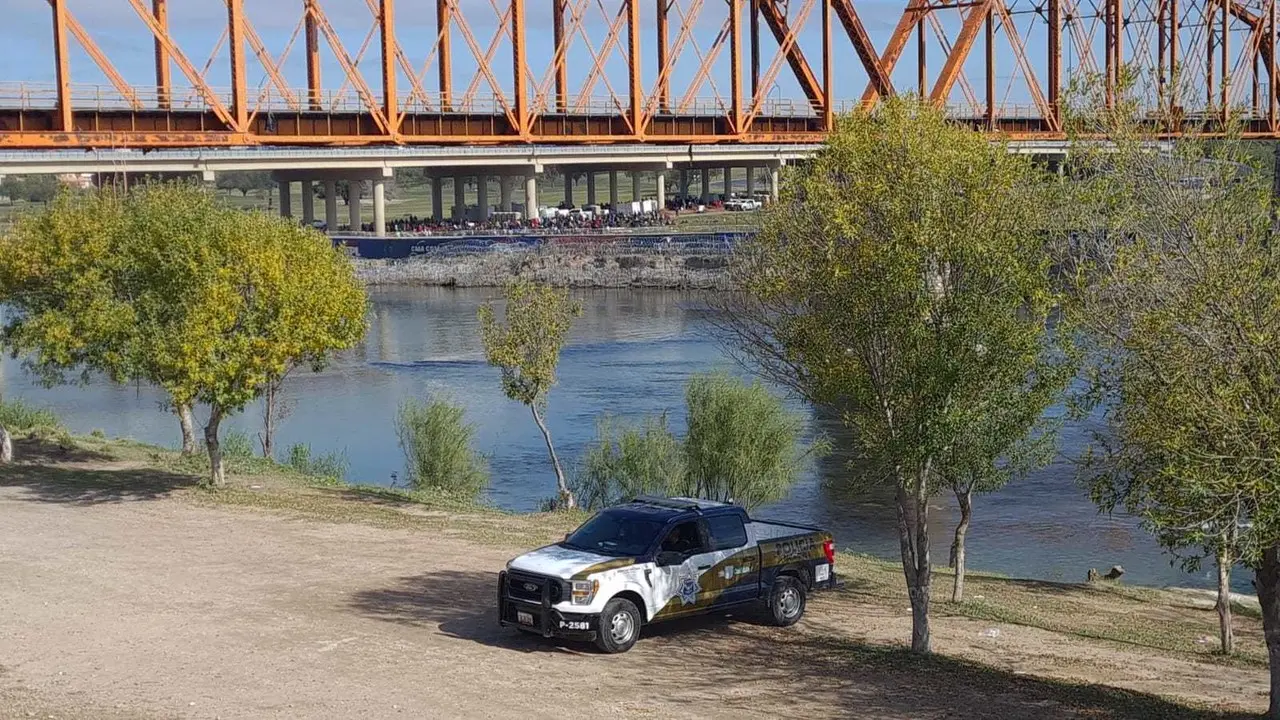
x=78, y=181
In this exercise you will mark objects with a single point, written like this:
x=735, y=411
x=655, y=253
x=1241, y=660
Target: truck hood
x=567, y=563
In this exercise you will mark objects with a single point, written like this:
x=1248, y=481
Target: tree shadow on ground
x=726, y=659
x=54, y=474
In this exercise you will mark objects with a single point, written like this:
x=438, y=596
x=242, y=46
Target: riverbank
x=132, y=592
x=586, y=267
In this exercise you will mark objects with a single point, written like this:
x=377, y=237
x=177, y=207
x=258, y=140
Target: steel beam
x=991, y=69
x=735, y=63
x=164, y=84
x=862, y=44
x=755, y=48
x=239, y=84
x=959, y=51
x=828, y=105
x=519, y=62
x=560, y=42
x=445, y=65
x=1054, y=61
x=636, y=92
x=312, y=39
x=62, y=66
x=390, y=97
x=777, y=22
x=915, y=11
x=664, y=73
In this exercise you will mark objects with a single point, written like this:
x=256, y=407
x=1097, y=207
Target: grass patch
x=20, y=417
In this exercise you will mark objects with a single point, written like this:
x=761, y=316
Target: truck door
x=736, y=568
x=678, y=587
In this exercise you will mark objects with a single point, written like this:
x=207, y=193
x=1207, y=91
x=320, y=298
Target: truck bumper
x=541, y=618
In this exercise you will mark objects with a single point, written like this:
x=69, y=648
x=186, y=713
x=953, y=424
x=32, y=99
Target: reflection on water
x=629, y=355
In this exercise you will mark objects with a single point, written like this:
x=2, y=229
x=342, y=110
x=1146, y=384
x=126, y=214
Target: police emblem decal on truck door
x=688, y=590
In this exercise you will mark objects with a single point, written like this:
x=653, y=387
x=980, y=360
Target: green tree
x=243, y=182
x=1175, y=267
x=627, y=460
x=437, y=443
x=899, y=277
x=526, y=346
x=167, y=286
x=30, y=188
x=742, y=444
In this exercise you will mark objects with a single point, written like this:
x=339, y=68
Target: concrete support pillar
x=751, y=181
x=530, y=196
x=775, y=173
x=613, y=189
x=308, y=204
x=504, y=193
x=353, y=204
x=728, y=182
x=706, y=186
x=635, y=184
x=437, y=199
x=380, y=207
x=662, y=191
x=568, y=188
x=684, y=183
x=286, y=199
x=591, y=187
x=459, y=198
x=330, y=205
x=482, y=196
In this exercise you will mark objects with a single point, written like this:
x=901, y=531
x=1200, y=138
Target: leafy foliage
x=330, y=466
x=742, y=445
x=437, y=444
x=626, y=460
x=18, y=416
x=900, y=278
x=243, y=182
x=525, y=346
x=30, y=188
x=166, y=285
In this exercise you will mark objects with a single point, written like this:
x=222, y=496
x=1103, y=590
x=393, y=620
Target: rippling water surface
x=630, y=354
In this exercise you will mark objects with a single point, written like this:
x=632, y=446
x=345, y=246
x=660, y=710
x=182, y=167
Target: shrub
x=332, y=466
x=237, y=445
x=18, y=416
x=629, y=460
x=437, y=445
x=742, y=445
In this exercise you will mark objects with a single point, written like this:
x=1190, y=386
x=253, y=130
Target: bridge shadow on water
x=726, y=659
x=48, y=471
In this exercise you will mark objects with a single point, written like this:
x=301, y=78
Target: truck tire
x=619, y=626
x=786, y=601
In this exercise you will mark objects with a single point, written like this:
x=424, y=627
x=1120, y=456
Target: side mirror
x=669, y=558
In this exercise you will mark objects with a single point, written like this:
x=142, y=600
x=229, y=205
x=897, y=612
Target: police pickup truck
x=653, y=559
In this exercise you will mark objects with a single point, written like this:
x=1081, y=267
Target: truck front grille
x=529, y=587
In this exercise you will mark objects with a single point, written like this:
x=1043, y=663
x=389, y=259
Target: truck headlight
x=584, y=591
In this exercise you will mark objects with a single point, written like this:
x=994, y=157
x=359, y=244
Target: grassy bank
x=1157, y=624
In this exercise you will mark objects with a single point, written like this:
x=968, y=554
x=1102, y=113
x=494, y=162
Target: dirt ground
x=152, y=606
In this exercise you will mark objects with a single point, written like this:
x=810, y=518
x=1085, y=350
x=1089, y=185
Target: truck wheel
x=786, y=601
x=619, y=626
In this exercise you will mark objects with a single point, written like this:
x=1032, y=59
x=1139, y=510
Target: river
x=629, y=355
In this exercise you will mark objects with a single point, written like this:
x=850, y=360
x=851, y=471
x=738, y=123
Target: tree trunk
x=6, y=447
x=217, y=476
x=1224, y=602
x=566, y=497
x=965, y=500
x=913, y=539
x=1267, y=583
x=269, y=422
x=188, y=429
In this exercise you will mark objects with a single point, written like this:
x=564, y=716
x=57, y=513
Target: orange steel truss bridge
x=564, y=72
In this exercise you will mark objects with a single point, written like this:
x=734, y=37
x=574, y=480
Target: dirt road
x=163, y=608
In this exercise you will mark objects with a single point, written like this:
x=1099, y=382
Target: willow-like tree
x=900, y=277
x=525, y=345
x=1176, y=268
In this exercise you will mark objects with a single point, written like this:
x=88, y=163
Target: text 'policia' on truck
x=654, y=559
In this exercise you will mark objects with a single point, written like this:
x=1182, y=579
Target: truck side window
x=683, y=538
x=727, y=532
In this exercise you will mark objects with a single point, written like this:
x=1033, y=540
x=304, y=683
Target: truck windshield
x=615, y=534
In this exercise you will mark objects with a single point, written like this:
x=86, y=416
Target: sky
x=26, y=47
